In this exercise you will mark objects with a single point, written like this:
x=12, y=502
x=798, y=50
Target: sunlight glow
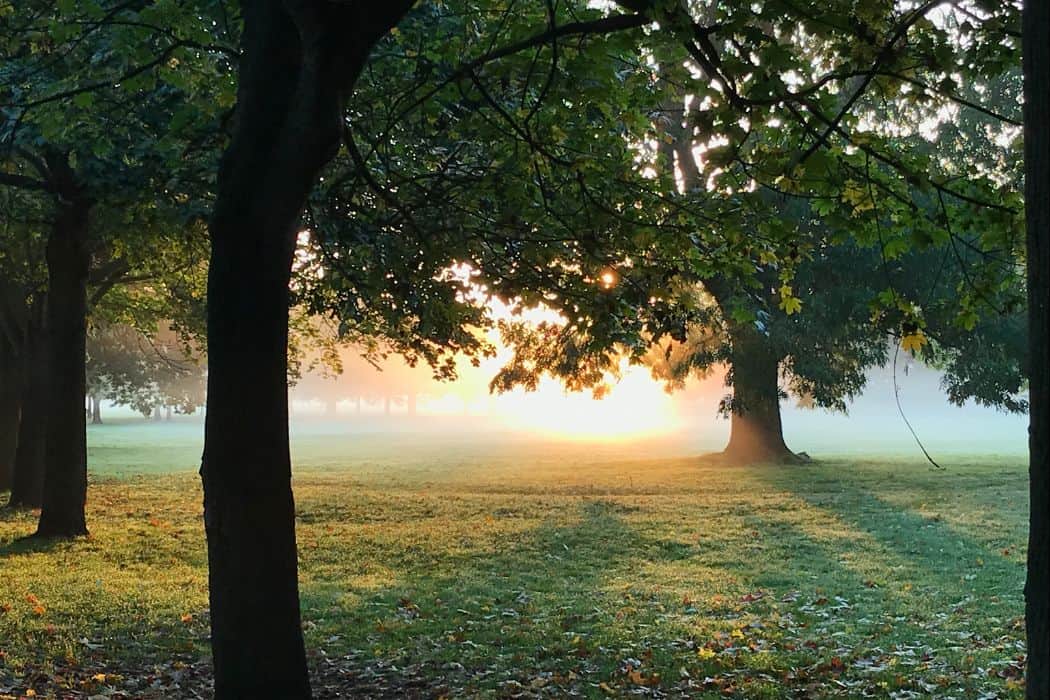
x=634, y=407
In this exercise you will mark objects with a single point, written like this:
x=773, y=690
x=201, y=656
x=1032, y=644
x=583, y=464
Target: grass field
x=522, y=569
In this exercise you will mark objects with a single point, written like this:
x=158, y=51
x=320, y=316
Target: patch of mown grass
x=545, y=572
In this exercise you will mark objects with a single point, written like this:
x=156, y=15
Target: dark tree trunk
x=1036, y=41
x=96, y=410
x=10, y=412
x=249, y=512
x=298, y=64
x=65, y=473
x=756, y=433
x=27, y=486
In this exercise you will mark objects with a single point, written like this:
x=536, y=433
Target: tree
x=824, y=351
x=10, y=380
x=86, y=132
x=752, y=316
x=143, y=371
x=1036, y=28
x=22, y=316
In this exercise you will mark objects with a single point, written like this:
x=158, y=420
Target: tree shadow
x=921, y=545
x=534, y=612
x=940, y=584
x=31, y=544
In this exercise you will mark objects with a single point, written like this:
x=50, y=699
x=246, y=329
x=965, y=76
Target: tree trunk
x=1036, y=41
x=290, y=98
x=167, y=413
x=756, y=433
x=27, y=486
x=249, y=512
x=65, y=473
x=96, y=410
x=10, y=412
x=156, y=414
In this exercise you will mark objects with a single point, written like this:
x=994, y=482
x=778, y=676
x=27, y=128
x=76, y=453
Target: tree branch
x=24, y=183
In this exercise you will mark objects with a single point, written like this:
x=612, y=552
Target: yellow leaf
x=99, y=678
x=858, y=195
x=913, y=342
x=790, y=305
x=705, y=653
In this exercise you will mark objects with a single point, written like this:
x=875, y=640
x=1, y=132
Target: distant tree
x=822, y=355
x=144, y=372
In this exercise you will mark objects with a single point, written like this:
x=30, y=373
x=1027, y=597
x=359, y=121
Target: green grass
x=431, y=569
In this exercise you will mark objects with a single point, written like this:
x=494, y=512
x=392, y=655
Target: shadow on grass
x=27, y=544
x=521, y=614
x=567, y=607
x=31, y=544
x=450, y=624
x=923, y=547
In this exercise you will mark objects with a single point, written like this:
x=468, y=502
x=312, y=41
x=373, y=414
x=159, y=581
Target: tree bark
x=65, y=473
x=96, y=410
x=10, y=412
x=27, y=486
x=1036, y=42
x=756, y=433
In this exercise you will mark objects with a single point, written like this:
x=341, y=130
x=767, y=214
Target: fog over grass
x=465, y=421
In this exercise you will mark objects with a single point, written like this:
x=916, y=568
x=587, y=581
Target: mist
x=413, y=413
